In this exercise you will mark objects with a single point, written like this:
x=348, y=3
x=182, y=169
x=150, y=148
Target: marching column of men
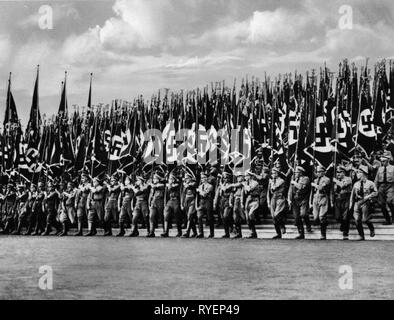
x=186, y=199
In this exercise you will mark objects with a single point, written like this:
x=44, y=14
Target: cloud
x=5, y=48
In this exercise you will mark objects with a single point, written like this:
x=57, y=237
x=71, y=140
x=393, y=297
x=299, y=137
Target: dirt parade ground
x=176, y=269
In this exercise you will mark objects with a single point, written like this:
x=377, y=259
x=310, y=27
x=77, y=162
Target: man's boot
x=371, y=229
x=108, y=233
x=211, y=230
x=386, y=216
x=122, y=231
x=360, y=230
x=179, y=228
x=226, y=230
x=6, y=228
x=238, y=232
x=92, y=230
x=47, y=231
x=17, y=232
x=323, y=230
x=278, y=232
x=29, y=230
x=200, y=229
x=301, y=231
x=252, y=228
x=80, y=231
x=186, y=235
x=64, y=231
x=308, y=224
x=165, y=234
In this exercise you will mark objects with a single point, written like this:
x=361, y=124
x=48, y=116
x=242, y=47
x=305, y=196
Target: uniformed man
x=2, y=205
x=342, y=192
x=299, y=194
x=277, y=200
x=188, y=205
x=81, y=199
x=10, y=208
x=95, y=206
x=173, y=206
x=125, y=206
x=263, y=180
x=204, y=206
x=252, y=195
x=238, y=205
x=156, y=202
x=364, y=191
x=224, y=199
x=38, y=210
x=141, y=192
x=69, y=213
x=111, y=206
x=321, y=200
x=22, y=209
x=31, y=218
x=214, y=180
x=384, y=181
x=50, y=207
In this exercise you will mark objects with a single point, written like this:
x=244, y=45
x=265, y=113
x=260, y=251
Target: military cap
x=341, y=169
x=321, y=169
x=157, y=175
x=300, y=169
x=189, y=176
x=386, y=155
x=203, y=175
x=226, y=175
x=363, y=169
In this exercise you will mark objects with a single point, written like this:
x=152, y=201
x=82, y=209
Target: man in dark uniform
x=111, y=206
x=342, y=192
x=363, y=192
x=384, y=181
x=31, y=218
x=2, y=197
x=10, y=208
x=299, y=194
x=22, y=210
x=156, y=202
x=188, y=204
x=125, y=206
x=95, y=206
x=50, y=207
x=173, y=206
x=204, y=206
x=238, y=205
x=224, y=201
x=321, y=200
x=252, y=195
x=81, y=199
x=69, y=213
x=141, y=192
x=277, y=200
x=38, y=210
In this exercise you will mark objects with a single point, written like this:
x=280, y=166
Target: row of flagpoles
x=320, y=118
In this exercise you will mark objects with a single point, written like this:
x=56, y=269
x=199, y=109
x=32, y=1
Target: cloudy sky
x=138, y=46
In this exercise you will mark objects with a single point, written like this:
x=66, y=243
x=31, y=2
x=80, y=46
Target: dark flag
x=366, y=134
x=63, y=107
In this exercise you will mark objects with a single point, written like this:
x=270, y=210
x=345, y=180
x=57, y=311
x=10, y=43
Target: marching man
x=385, y=183
x=342, y=191
x=320, y=200
x=363, y=192
x=299, y=194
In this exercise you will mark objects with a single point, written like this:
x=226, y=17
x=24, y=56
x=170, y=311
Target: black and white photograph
x=196, y=154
